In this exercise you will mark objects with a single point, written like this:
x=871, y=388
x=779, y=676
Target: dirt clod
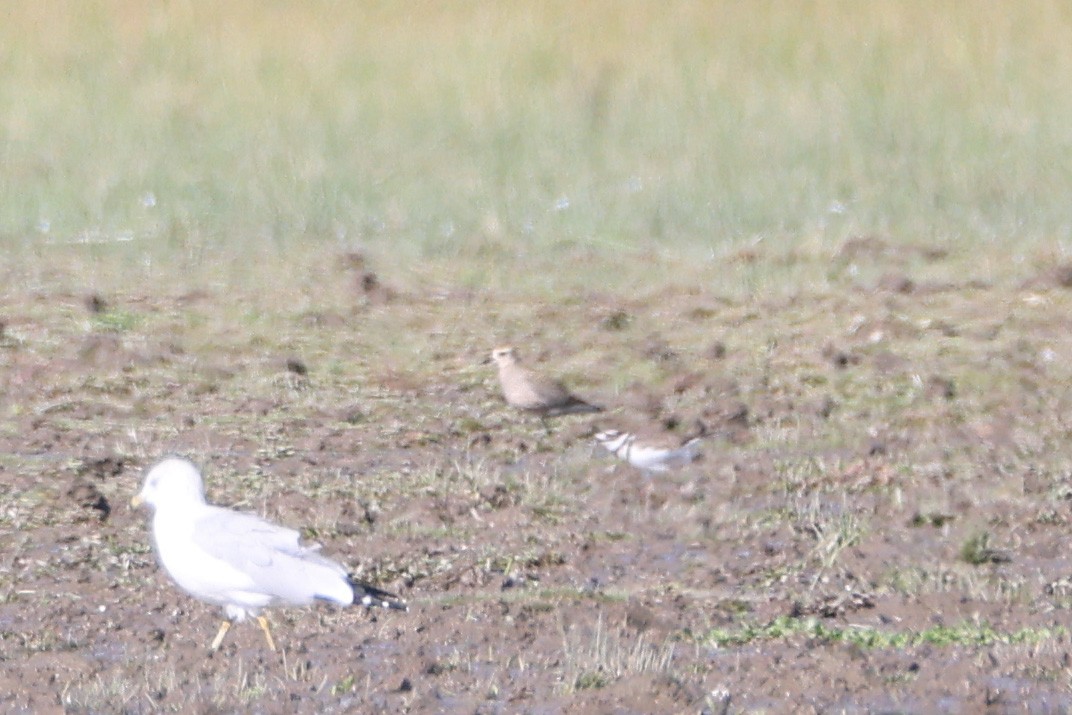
x=296, y=366
x=86, y=496
x=96, y=304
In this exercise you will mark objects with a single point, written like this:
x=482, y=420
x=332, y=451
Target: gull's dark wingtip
x=372, y=597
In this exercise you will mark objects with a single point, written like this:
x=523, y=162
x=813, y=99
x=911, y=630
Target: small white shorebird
x=533, y=392
x=650, y=454
x=240, y=561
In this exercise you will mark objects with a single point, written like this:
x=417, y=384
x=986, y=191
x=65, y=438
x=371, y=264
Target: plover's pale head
x=613, y=439
x=607, y=435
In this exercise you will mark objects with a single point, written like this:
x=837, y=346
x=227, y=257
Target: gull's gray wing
x=272, y=557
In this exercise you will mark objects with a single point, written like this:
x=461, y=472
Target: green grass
x=961, y=634
x=183, y=137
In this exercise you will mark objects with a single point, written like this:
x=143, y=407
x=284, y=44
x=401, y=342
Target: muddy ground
x=879, y=522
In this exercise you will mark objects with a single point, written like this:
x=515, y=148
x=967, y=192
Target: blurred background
x=484, y=144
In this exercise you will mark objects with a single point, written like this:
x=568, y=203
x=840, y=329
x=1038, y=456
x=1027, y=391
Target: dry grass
x=599, y=658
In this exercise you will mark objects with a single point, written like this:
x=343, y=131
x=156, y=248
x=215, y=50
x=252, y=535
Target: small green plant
x=118, y=321
x=930, y=518
x=977, y=550
x=590, y=679
x=346, y=685
x=967, y=633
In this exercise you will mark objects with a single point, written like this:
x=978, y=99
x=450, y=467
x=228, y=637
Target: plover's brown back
x=533, y=392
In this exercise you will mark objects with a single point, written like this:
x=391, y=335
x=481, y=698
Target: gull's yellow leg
x=224, y=627
x=267, y=633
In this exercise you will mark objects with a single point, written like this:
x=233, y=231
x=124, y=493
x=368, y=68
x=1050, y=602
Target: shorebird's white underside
x=646, y=456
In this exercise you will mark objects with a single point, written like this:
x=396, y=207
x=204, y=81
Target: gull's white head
x=505, y=355
x=173, y=481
